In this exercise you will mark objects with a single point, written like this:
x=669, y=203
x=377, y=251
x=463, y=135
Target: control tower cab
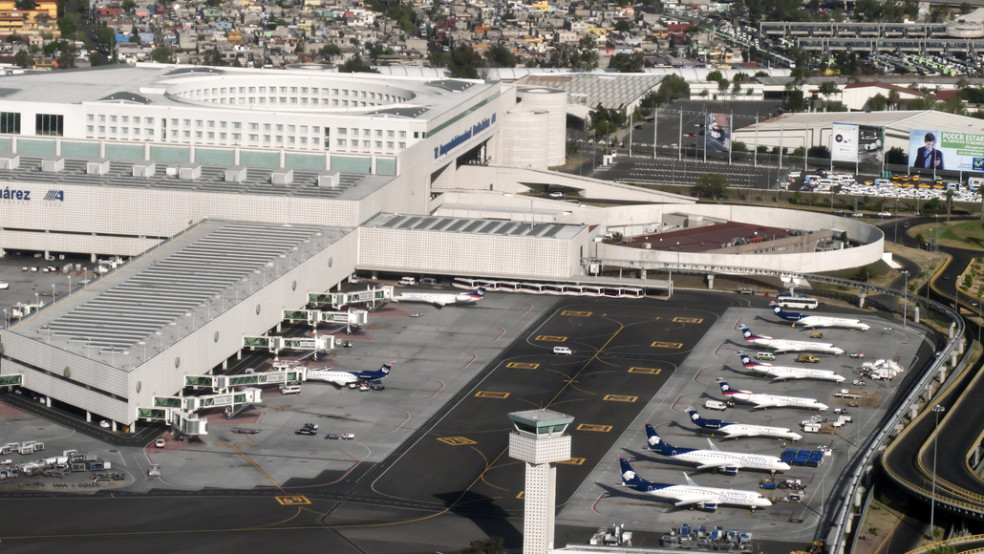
x=538, y=439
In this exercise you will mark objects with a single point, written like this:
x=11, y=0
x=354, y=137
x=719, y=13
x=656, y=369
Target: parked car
x=305, y=431
x=765, y=356
x=884, y=214
x=333, y=436
x=348, y=436
x=745, y=290
x=311, y=426
x=377, y=386
x=562, y=350
x=159, y=443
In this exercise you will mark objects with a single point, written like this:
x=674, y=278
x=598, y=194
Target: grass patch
x=962, y=234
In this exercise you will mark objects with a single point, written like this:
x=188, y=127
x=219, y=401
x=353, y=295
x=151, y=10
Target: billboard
x=854, y=143
x=939, y=150
x=844, y=142
x=717, y=135
x=871, y=144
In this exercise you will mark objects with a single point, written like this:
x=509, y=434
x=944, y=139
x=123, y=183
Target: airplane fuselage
x=784, y=372
x=776, y=401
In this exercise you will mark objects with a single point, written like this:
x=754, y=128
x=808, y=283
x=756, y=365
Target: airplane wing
x=759, y=404
x=699, y=500
x=715, y=465
x=441, y=301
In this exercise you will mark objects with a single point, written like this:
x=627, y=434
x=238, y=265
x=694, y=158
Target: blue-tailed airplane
x=781, y=373
x=733, y=430
x=349, y=379
x=814, y=321
x=729, y=462
x=769, y=400
x=691, y=494
x=786, y=345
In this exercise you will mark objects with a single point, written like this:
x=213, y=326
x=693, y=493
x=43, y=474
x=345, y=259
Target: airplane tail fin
x=746, y=332
x=656, y=442
x=695, y=417
x=383, y=371
x=788, y=316
x=746, y=360
x=725, y=387
x=630, y=478
x=479, y=293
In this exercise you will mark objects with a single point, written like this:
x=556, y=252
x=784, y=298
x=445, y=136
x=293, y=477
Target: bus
x=797, y=302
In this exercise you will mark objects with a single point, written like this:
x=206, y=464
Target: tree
x=949, y=202
x=712, y=186
x=96, y=59
x=68, y=25
x=464, y=62
x=623, y=26
x=67, y=53
x=714, y=76
x=213, y=57
x=671, y=88
x=876, y=103
x=819, y=152
x=163, y=54
x=128, y=5
x=627, y=63
x=896, y=156
x=499, y=55
x=828, y=89
x=23, y=58
x=24, y=5
x=329, y=51
x=356, y=64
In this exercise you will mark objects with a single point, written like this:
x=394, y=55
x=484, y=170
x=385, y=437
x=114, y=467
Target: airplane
x=735, y=430
x=780, y=373
x=350, y=379
x=814, y=321
x=785, y=345
x=769, y=400
x=441, y=299
x=729, y=462
x=691, y=494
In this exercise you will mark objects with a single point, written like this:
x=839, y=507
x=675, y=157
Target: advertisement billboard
x=939, y=150
x=871, y=144
x=717, y=135
x=844, y=142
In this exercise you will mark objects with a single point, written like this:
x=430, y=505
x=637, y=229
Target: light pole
x=905, y=298
x=53, y=293
x=980, y=298
x=937, y=409
x=69, y=284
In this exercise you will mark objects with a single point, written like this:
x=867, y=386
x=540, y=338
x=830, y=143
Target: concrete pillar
x=942, y=377
x=92, y=258
x=47, y=401
x=133, y=428
x=280, y=326
x=710, y=282
x=114, y=425
x=642, y=274
x=913, y=411
x=961, y=344
x=225, y=363
x=862, y=296
x=88, y=416
x=953, y=327
x=915, y=314
x=239, y=355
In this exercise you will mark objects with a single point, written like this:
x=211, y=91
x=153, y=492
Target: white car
x=104, y=424
x=884, y=214
x=556, y=195
x=348, y=436
x=159, y=443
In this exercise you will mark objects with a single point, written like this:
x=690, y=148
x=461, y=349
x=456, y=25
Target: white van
x=410, y=281
x=562, y=350
x=715, y=405
x=290, y=389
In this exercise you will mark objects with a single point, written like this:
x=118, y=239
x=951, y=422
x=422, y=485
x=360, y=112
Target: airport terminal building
x=239, y=191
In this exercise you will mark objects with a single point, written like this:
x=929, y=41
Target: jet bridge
x=11, y=380
x=351, y=318
x=221, y=383
x=320, y=343
x=338, y=300
x=179, y=411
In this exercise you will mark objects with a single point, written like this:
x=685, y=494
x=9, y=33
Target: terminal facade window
x=10, y=123
x=49, y=124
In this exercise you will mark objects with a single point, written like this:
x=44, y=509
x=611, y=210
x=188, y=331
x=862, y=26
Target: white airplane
x=769, y=400
x=814, y=321
x=692, y=494
x=781, y=373
x=786, y=345
x=738, y=430
x=442, y=299
x=729, y=462
x=349, y=379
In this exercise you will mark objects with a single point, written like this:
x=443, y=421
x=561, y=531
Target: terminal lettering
x=15, y=194
x=459, y=139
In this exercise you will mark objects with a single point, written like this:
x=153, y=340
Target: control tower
x=538, y=439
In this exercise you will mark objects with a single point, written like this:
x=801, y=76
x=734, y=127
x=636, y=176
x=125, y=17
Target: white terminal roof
x=495, y=227
x=590, y=89
x=189, y=86
x=899, y=121
x=158, y=299
x=258, y=180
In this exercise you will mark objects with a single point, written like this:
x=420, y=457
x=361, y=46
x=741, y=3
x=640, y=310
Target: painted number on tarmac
x=550, y=338
x=573, y=462
x=293, y=500
x=491, y=394
x=645, y=370
x=594, y=428
x=688, y=320
x=573, y=313
x=620, y=398
x=660, y=344
x=522, y=365
x=457, y=441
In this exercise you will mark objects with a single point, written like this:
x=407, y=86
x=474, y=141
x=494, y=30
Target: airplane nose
x=783, y=466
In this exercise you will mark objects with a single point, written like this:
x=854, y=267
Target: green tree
x=67, y=54
x=819, y=152
x=499, y=55
x=329, y=51
x=356, y=64
x=714, y=76
x=623, y=26
x=162, y=54
x=876, y=103
x=671, y=88
x=128, y=5
x=464, y=62
x=828, y=89
x=96, y=59
x=213, y=57
x=712, y=186
x=896, y=156
x=627, y=63
x=24, y=5
x=23, y=58
x=68, y=25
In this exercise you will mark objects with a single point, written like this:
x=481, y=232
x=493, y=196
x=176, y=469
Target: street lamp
x=69, y=284
x=905, y=296
x=937, y=409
